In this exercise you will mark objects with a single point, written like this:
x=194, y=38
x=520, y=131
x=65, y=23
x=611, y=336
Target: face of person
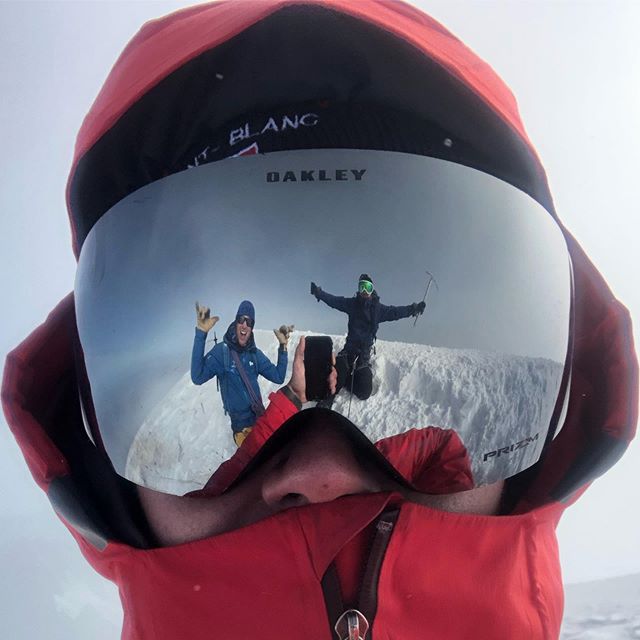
x=317, y=465
x=243, y=332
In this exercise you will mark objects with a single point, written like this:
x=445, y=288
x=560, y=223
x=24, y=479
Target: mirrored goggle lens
x=470, y=388
x=365, y=287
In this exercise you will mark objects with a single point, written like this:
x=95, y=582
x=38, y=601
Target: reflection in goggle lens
x=477, y=369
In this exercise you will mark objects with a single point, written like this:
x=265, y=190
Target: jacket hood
x=375, y=54
x=246, y=308
x=512, y=557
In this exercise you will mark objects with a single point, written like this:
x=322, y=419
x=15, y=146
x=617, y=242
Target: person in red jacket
x=374, y=137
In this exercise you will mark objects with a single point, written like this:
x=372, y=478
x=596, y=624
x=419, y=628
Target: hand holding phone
x=314, y=375
x=318, y=363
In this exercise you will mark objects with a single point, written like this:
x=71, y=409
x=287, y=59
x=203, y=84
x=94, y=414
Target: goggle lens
x=364, y=286
x=487, y=364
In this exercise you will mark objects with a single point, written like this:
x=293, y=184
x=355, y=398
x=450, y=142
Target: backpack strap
x=256, y=402
x=225, y=379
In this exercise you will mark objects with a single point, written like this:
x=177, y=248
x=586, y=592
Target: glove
x=417, y=308
x=204, y=321
x=315, y=290
x=283, y=334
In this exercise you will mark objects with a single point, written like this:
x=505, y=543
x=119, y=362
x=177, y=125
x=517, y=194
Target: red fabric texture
x=433, y=460
x=35, y=365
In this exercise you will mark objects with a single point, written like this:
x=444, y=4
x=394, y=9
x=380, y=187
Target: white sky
x=573, y=67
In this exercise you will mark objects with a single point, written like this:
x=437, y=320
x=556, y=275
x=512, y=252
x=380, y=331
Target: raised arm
x=335, y=302
x=203, y=367
x=270, y=371
x=389, y=312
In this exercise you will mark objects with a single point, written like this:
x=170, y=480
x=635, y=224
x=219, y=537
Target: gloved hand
x=315, y=290
x=417, y=308
x=283, y=334
x=204, y=321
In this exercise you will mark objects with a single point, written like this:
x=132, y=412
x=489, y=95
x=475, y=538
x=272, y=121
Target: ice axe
x=424, y=298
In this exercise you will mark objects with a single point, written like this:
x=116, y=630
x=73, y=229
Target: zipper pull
x=352, y=625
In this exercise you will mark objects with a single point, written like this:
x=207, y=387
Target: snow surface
x=602, y=609
x=483, y=395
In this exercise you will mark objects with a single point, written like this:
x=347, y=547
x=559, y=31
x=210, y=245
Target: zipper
x=354, y=624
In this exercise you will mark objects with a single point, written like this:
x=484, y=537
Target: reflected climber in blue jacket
x=237, y=362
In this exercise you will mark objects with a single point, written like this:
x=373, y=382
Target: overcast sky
x=573, y=67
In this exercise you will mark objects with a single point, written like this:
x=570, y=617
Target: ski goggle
x=245, y=320
x=364, y=286
x=473, y=389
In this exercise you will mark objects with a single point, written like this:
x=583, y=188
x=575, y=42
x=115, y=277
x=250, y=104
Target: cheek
x=176, y=520
x=484, y=500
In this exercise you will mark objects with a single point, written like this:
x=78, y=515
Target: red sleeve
x=433, y=460
x=279, y=410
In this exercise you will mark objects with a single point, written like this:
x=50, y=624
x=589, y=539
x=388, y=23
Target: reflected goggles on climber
x=364, y=286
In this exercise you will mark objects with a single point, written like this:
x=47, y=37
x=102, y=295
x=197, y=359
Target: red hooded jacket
x=443, y=575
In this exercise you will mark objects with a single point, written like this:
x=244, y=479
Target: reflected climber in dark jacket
x=365, y=313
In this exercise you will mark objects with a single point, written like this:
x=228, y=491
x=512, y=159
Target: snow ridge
x=602, y=609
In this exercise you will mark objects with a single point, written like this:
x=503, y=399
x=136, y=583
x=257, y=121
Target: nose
x=319, y=466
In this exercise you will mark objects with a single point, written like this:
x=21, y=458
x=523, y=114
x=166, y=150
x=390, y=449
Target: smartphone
x=318, y=352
